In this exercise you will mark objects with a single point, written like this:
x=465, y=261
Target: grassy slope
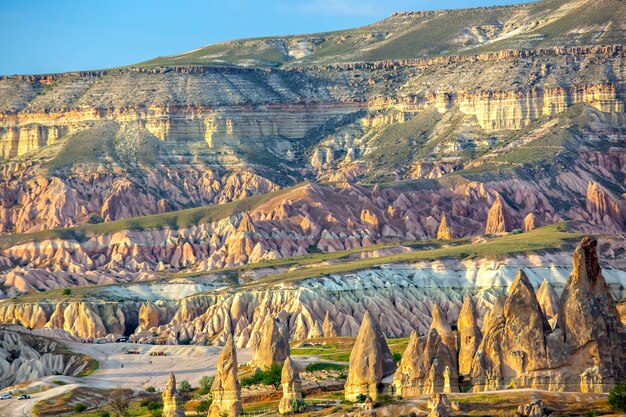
x=542, y=239
x=425, y=35
x=548, y=238
x=174, y=220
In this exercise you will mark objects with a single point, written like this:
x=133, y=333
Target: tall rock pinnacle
x=226, y=389
x=172, y=400
x=292, y=386
x=469, y=335
x=370, y=361
x=498, y=220
x=273, y=346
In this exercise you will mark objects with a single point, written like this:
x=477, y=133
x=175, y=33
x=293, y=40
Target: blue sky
x=41, y=36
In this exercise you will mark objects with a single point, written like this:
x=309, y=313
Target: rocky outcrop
x=444, y=231
x=328, y=327
x=530, y=222
x=25, y=357
x=469, y=335
x=273, y=346
x=370, y=361
x=292, y=387
x=429, y=365
x=548, y=300
x=593, y=335
x=172, y=400
x=440, y=405
x=514, y=342
x=584, y=352
x=498, y=219
x=533, y=409
x=226, y=390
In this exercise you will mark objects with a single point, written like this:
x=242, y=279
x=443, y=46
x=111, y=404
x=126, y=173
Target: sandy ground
x=120, y=369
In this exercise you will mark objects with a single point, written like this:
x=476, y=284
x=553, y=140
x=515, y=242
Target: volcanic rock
x=469, y=335
x=370, y=361
x=226, y=390
x=498, y=218
x=172, y=400
x=273, y=345
x=292, y=386
x=444, y=232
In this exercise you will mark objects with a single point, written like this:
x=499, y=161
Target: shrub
x=105, y=414
x=151, y=389
x=298, y=406
x=67, y=291
x=270, y=376
x=79, y=408
x=324, y=366
x=617, y=398
x=154, y=405
x=205, y=384
x=203, y=406
x=361, y=398
x=184, y=386
x=396, y=356
x=156, y=413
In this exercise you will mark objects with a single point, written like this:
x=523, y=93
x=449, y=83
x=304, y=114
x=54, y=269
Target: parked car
x=5, y=397
x=121, y=339
x=100, y=342
x=23, y=397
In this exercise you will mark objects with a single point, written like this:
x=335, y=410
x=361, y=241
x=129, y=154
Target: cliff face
x=25, y=357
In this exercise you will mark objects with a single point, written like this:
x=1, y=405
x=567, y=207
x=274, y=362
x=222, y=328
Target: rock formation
x=25, y=357
x=429, y=366
x=172, y=400
x=440, y=405
x=444, y=231
x=514, y=342
x=292, y=387
x=585, y=351
x=468, y=334
x=548, y=300
x=533, y=409
x=328, y=327
x=530, y=222
x=498, y=219
x=226, y=390
x=370, y=361
x=593, y=334
x=273, y=345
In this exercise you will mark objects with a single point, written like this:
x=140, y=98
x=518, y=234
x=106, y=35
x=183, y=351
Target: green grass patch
x=324, y=366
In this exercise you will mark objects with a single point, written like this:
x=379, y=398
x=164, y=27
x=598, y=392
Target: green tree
x=203, y=407
x=79, y=408
x=205, y=384
x=184, y=386
x=617, y=398
x=67, y=291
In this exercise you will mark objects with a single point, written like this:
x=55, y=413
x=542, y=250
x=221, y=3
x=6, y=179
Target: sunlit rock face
x=370, y=361
x=585, y=350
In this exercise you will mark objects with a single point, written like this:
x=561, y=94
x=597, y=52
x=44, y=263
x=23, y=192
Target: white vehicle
x=5, y=397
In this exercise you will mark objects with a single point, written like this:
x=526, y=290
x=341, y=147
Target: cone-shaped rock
x=469, y=335
x=444, y=232
x=514, y=343
x=370, y=361
x=328, y=327
x=292, y=386
x=591, y=325
x=273, y=346
x=498, y=218
x=431, y=366
x=172, y=400
x=226, y=390
x=548, y=300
